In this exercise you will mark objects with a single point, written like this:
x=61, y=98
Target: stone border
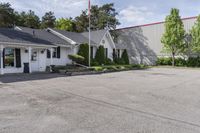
x=95, y=72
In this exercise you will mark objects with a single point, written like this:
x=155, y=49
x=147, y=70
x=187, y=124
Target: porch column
x=29, y=58
x=51, y=58
x=1, y=56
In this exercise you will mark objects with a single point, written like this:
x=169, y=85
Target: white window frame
x=13, y=57
x=55, y=50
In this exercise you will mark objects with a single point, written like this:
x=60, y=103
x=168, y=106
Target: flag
x=89, y=8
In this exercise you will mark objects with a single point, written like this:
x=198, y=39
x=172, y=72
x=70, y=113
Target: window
x=118, y=53
x=9, y=57
x=54, y=52
x=103, y=41
x=91, y=53
x=34, y=56
x=106, y=52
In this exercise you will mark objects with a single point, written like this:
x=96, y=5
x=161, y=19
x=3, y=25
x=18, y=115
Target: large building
x=143, y=42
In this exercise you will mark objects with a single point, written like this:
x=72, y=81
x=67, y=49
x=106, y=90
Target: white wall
x=108, y=45
x=63, y=60
x=143, y=43
x=41, y=62
x=24, y=58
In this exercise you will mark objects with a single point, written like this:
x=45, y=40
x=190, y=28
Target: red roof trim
x=153, y=23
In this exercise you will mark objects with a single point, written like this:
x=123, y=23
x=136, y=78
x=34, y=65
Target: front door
x=35, y=60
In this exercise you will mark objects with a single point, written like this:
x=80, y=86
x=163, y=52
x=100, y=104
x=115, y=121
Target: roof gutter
x=27, y=44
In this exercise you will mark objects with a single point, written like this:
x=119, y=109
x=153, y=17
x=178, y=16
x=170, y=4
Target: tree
x=6, y=15
x=84, y=51
x=32, y=20
x=195, y=33
x=125, y=57
x=81, y=22
x=173, y=37
x=48, y=20
x=100, y=55
x=101, y=18
x=65, y=24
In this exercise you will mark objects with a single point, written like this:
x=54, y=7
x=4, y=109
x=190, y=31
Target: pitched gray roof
x=45, y=35
x=16, y=36
x=96, y=36
x=120, y=46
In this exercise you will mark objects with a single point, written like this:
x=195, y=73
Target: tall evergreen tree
x=125, y=57
x=48, y=20
x=32, y=20
x=6, y=15
x=100, y=55
x=101, y=18
x=173, y=37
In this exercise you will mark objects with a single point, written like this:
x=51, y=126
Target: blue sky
x=131, y=12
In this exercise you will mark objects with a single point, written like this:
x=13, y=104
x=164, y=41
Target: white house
x=32, y=50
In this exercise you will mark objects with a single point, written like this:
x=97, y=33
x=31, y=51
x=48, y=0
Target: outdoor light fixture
x=26, y=51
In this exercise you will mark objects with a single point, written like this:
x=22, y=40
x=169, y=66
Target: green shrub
x=168, y=61
x=84, y=51
x=109, y=62
x=94, y=63
x=125, y=57
x=100, y=55
x=120, y=61
x=76, y=58
x=180, y=62
x=193, y=62
x=164, y=61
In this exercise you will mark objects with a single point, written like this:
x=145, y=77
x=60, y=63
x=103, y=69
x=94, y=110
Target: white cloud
x=135, y=15
x=61, y=8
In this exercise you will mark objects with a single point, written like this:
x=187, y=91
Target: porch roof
x=11, y=36
x=44, y=34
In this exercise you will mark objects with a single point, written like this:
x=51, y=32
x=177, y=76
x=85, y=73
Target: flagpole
x=89, y=62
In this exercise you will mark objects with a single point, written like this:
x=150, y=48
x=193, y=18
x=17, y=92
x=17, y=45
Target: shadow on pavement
x=28, y=77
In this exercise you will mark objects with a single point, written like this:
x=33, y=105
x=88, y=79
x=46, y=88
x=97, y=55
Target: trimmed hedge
x=125, y=57
x=76, y=58
x=84, y=52
x=100, y=55
x=190, y=62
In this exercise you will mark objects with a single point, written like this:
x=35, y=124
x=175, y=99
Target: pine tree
x=125, y=57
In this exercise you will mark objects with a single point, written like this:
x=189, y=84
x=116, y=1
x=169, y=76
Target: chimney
x=33, y=32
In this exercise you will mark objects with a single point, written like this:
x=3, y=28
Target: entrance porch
x=23, y=58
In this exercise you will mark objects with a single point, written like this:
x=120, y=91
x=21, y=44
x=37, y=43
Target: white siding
x=18, y=70
x=108, y=45
x=63, y=60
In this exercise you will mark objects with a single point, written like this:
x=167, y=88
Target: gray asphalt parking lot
x=157, y=100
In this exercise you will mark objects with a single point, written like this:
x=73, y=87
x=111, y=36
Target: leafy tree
x=125, y=57
x=84, y=51
x=101, y=18
x=81, y=22
x=100, y=55
x=173, y=37
x=32, y=20
x=48, y=20
x=65, y=24
x=20, y=18
x=6, y=15
x=195, y=33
